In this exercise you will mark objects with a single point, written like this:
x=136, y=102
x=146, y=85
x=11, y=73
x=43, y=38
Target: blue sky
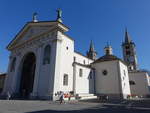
x=99, y=20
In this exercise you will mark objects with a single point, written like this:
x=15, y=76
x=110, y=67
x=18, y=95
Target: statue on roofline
x=59, y=15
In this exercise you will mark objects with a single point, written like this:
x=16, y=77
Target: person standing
x=61, y=97
x=8, y=96
x=69, y=96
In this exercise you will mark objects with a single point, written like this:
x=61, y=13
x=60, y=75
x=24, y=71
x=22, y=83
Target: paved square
x=28, y=106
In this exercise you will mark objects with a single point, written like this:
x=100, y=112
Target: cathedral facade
x=43, y=62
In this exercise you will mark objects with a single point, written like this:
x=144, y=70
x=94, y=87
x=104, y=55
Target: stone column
x=37, y=70
x=16, y=75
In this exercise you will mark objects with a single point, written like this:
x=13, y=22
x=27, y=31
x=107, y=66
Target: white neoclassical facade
x=43, y=62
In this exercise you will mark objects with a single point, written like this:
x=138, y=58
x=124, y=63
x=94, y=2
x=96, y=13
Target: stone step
x=88, y=97
x=85, y=95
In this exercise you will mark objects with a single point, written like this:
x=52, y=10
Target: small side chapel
x=43, y=62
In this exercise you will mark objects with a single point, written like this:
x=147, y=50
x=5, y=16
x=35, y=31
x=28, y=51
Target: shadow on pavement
x=105, y=109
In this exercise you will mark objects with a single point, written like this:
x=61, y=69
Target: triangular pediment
x=31, y=30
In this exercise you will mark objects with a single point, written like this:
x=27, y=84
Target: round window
x=104, y=72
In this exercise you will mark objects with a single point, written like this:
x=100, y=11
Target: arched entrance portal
x=27, y=75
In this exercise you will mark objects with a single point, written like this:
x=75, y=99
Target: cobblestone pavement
x=28, y=106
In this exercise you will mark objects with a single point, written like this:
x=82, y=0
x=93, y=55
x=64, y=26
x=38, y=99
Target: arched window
x=47, y=53
x=65, y=80
x=13, y=64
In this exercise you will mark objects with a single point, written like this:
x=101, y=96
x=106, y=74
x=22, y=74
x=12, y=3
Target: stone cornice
x=83, y=65
x=56, y=24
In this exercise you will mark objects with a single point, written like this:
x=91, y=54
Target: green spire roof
x=91, y=46
x=127, y=37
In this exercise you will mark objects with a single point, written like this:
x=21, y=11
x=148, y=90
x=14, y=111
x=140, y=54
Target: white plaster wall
x=67, y=50
x=54, y=82
x=124, y=79
x=107, y=84
x=141, y=83
x=80, y=59
x=49, y=74
x=84, y=83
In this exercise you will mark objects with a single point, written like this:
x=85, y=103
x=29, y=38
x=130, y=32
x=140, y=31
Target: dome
x=108, y=58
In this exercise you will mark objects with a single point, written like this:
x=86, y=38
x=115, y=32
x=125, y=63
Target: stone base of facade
x=30, y=97
x=140, y=96
x=111, y=96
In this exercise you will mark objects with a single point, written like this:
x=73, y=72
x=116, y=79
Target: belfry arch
x=27, y=75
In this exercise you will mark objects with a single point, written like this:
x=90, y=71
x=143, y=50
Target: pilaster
x=37, y=70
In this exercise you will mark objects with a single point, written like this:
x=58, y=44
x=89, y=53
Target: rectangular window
x=80, y=72
x=65, y=80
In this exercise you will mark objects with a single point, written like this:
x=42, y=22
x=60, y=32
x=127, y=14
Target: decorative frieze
x=34, y=44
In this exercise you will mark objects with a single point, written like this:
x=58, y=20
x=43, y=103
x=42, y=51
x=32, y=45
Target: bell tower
x=129, y=52
x=92, y=53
